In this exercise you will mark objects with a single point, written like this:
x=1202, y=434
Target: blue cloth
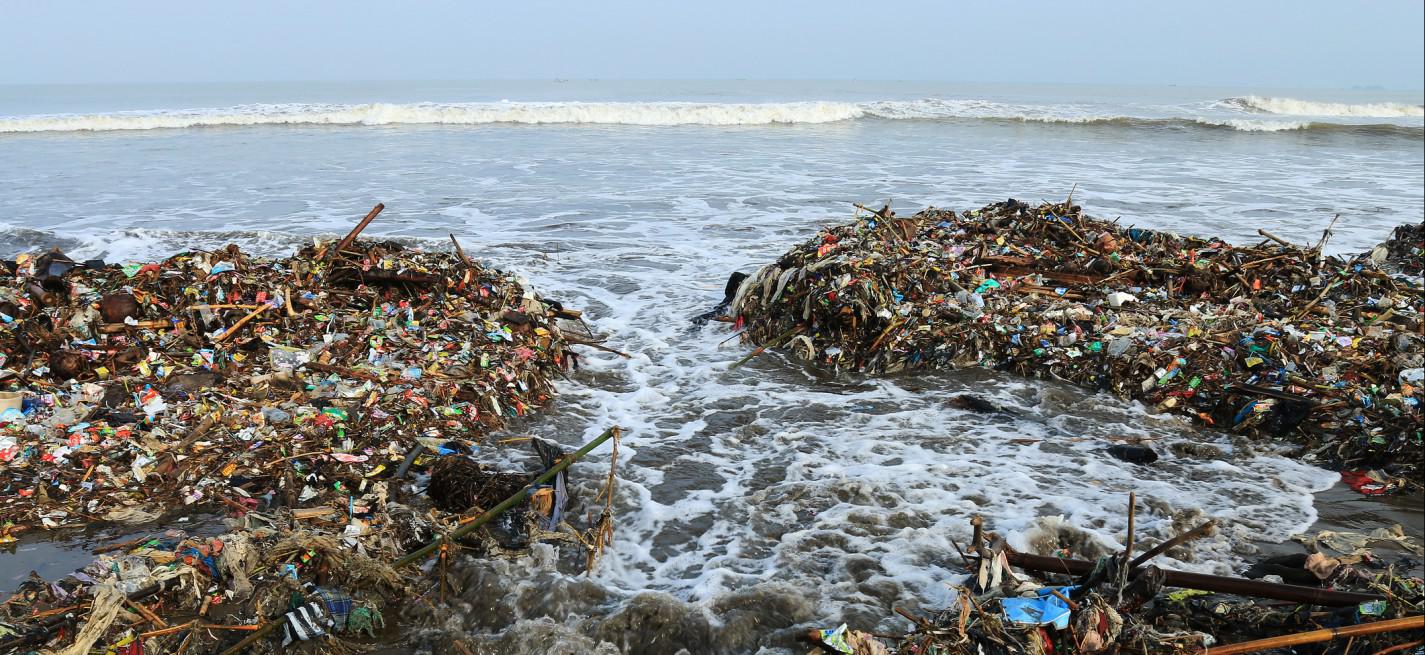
x=1046, y=609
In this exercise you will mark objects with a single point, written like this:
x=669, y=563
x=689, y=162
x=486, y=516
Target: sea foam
x=1227, y=114
x=1294, y=107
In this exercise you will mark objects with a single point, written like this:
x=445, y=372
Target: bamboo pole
x=1317, y=636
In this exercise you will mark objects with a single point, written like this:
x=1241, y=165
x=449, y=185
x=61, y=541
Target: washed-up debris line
x=1266, y=339
x=1362, y=588
x=301, y=395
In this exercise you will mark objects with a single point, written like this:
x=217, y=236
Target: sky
x=1305, y=44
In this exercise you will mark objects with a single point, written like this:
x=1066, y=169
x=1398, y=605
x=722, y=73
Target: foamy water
x=1228, y=113
x=1295, y=107
x=766, y=499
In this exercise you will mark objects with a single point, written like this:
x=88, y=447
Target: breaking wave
x=1294, y=107
x=714, y=114
x=532, y=113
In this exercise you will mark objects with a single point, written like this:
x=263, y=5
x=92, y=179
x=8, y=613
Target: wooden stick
x=169, y=630
x=460, y=252
x=913, y=618
x=1072, y=605
x=882, y=213
x=351, y=236
x=258, y=632
x=598, y=346
x=57, y=610
x=157, y=324
x=1274, y=237
x=1132, y=507
x=1399, y=647
x=192, y=307
x=1326, y=234
x=122, y=545
x=1303, y=311
x=1257, y=262
x=1317, y=636
x=761, y=349
x=241, y=322
x=146, y=613
x=1174, y=542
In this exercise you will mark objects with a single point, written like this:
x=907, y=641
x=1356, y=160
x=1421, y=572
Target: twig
x=460, y=252
x=761, y=349
x=1326, y=234
x=1174, y=542
x=597, y=346
x=913, y=618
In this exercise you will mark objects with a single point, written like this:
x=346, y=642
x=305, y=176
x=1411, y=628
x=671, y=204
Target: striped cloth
x=305, y=623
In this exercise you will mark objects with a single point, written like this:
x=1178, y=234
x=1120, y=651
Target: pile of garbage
x=175, y=592
x=1365, y=588
x=220, y=378
x=1270, y=339
x=333, y=403
x=1404, y=251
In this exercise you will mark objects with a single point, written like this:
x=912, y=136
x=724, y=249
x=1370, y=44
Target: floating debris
x=1271, y=339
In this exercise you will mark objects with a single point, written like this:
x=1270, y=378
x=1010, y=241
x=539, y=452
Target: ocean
x=755, y=502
